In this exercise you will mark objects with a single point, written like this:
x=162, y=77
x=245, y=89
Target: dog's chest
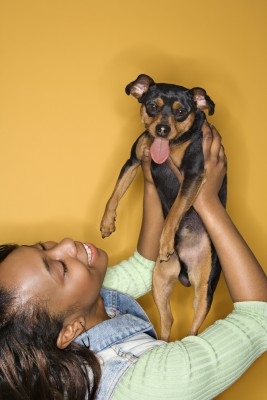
x=166, y=183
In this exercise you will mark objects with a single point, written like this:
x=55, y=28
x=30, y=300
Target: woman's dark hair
x=32, y=367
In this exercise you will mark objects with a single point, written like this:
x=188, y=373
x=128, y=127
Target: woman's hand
x=215, y=165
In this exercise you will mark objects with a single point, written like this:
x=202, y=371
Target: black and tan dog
x=173, y=119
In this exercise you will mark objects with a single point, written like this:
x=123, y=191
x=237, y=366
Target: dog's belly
x=191, y=242
x=196, y=254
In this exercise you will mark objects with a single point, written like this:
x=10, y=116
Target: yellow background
x=66, y=125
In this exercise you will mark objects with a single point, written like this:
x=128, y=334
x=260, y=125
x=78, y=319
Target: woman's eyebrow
x=45, y=261
x=43, y=258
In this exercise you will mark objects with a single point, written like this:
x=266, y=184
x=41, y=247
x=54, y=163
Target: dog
x=173, y=117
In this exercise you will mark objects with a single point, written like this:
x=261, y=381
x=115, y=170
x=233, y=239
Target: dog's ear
x=202, y=100
x=139, y=87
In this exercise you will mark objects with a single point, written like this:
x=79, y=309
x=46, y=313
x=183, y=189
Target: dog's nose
x=162, y=130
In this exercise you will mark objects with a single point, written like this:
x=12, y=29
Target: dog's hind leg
x=199, y=275
x=165, y=274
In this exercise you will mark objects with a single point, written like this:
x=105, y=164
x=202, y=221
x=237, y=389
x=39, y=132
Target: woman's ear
x=69, y=332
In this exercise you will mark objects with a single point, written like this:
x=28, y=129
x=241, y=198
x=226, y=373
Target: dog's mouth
x=160, y=150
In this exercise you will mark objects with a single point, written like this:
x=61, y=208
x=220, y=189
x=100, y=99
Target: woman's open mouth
x=88, y=252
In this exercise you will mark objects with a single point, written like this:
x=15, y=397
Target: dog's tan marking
x=199, y=273
x=177, y=152
x=175, y=159
x=184, y=126
x=143, y=142
x=150, y=122
x=176, y=105
x=159, y=102
x=107, y=225
x=164, y=277
x=145, y=118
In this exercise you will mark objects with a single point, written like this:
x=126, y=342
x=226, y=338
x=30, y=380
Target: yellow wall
x=66, y=124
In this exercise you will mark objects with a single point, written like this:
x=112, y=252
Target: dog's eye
x=181, y=113
x=152, y=108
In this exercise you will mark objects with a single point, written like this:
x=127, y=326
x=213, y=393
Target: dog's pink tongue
x=160, y=150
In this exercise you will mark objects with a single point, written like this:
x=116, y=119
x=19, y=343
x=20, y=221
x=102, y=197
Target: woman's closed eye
x=62, y=263
x=64, y=267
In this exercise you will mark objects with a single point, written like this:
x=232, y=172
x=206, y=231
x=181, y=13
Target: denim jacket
x=118, y=342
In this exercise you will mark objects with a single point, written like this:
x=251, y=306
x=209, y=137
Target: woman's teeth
x=89, y=253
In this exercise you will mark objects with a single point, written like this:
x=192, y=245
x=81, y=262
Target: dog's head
x=168, y=110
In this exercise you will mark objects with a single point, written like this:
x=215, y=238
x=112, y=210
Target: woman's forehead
x=21, y=264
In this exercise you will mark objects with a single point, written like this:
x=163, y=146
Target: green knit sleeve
x=199, y=367
x=132, y=276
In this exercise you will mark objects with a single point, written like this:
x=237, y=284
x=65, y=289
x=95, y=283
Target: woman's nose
x=65, y=247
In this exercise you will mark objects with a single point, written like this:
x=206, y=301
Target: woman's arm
x=152, y=221
x=244, y=276
x=199, y=367
x=134, y=276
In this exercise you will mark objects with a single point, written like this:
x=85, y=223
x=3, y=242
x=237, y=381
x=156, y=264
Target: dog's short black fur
x=173, y=119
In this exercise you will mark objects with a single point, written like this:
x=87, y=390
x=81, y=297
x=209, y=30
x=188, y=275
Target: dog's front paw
x=166, y=244
x=107, y=226
x=166, y=249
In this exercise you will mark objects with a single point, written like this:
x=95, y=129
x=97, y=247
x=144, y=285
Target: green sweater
x=197, y=367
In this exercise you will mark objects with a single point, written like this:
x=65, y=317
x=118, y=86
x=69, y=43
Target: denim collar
x=127, y=319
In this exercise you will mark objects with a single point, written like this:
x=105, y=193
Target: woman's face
x=67, y=275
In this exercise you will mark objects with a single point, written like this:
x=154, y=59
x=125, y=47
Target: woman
x=60, y=320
